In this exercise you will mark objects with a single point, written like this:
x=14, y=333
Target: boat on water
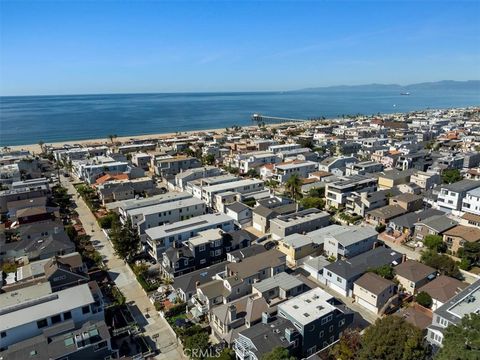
x=405, y=93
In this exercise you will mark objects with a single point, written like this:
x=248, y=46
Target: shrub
x=176, y=310
x=424, y=299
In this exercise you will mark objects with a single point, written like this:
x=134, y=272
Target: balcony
x=201, y=307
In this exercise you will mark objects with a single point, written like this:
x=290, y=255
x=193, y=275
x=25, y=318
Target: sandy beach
x=35, y=148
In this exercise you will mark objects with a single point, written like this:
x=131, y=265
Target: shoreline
x=35, y=148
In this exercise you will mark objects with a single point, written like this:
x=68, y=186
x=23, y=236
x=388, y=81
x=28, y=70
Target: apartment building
x=283, y=171
x=451, y=196
x=337, y=164
x=299, y=222
x=160, y=238
x=283, y=147
x=195, y=187
x=27, y=312
x=168, y=165
x=256, y=160
x=241, y=186
x=471, y=201
x=363, y=168
x=165, y=213
x=426, y=180
x=337, y=192
x=124, y=206
x=182, y=178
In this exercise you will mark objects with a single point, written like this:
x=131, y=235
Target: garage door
x=257, y=227
x=366, y=305
x=337, y=288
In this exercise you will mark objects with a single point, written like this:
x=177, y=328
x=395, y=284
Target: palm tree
x=293, y=186
x=41, y=144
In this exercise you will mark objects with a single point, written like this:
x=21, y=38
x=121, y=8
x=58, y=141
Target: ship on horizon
x=405, y=93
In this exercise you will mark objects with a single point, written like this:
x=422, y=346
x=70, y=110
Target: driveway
x=156, y=329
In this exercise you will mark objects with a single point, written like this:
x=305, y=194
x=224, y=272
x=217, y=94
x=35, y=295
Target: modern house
x=318, y=317
x=337, y=192
x=160, y=238
x=471, y=202
x=451, y=197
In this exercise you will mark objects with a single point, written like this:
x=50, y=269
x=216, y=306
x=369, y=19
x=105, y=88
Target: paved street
x=127, y=283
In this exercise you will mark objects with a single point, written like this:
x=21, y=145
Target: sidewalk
x=160, y=334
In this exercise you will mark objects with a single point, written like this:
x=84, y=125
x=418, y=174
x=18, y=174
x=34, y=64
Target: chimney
x=265, y=317
x=232, y=312
x=404, y=258
x=197, y=284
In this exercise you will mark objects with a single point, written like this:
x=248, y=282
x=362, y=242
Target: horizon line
x=236, y=91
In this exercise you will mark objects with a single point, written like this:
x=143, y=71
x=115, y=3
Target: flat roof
x=282, y=280
x=308, y=306
x=180, y=226
x=38, y=302
x=168, y=206
x=231, y=185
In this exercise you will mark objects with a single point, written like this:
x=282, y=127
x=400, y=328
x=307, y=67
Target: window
x=86, y=309
x=56, y=319
x=218, y=252
x=185, y=262
x=3, y=334
x=203, y=261
x=320, y=335
x=201, y=247
x=339, y=279
x=341, y=323
x=59, y=278
x=297, y=326
x=100, y=345
x=42, y=323
x=330, y=328
x=67, y=315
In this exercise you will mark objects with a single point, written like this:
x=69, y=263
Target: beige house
x=412, y=275
x=372, y=291
x=456, y=237
x=298, y=246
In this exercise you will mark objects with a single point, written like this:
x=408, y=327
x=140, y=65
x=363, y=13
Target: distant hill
x=470, y=85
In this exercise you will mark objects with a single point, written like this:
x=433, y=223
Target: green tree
x=424, y=299
x=208, y=159
x=348, y=346
x=443, y=263
x=380, y=228
x=451, y=175
x=197, y=345
x=293, y=186
x=312, y=202
x=42, y=146
x=385, y=271
x=125, y=239
x=392, y=338
x=252, y=173
x=435, y=242
x=470, y=253
x=462, y=341
x=317, y=192
x=279, y=353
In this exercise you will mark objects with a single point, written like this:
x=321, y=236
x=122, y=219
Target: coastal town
x=349, y=238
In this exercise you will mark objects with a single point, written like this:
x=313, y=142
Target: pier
x=261, y=118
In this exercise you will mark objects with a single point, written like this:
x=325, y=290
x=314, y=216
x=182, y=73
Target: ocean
x=29, y=119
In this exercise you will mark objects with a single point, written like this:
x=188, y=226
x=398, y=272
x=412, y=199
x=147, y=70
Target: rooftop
x=308, y=306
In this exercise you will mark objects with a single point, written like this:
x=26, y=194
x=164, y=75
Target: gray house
x=341, y=275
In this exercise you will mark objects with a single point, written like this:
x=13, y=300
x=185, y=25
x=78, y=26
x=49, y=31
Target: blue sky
x=154, y=46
